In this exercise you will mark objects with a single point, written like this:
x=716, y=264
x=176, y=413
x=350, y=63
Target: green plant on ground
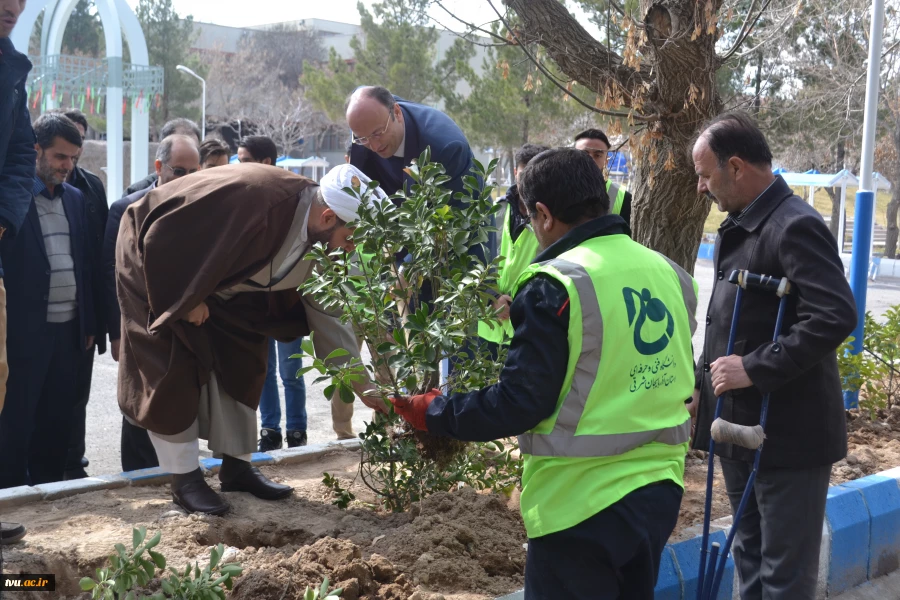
x=413, y=314
x=131, y=570
x=875, y=372
x=342, y=496
x=322, y=593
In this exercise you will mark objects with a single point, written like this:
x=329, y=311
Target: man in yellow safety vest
x=518, y=247
x=595, y=143
x=595, y=382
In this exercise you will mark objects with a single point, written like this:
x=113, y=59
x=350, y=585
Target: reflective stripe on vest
x=616, y=194
x=562, y=441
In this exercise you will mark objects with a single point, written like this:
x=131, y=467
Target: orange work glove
x=413, y=408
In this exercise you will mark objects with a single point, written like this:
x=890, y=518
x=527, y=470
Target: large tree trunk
x=670, y=95
x=893, y=207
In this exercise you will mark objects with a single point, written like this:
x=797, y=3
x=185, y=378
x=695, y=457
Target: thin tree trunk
x=893, y=207
x=759, y=70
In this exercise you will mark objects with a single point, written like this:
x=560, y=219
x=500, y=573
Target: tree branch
x=740, y=36
x=471, y=26
x=558, y=84
x=589, y=61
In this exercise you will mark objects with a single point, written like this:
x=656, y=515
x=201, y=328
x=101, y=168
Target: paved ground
x=104, y=418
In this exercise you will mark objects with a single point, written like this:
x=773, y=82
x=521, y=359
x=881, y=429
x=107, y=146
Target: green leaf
x=154, y=541
x=337, y=353
x=335, y=593
x=323, y=590
x=307, y=345
x=158, y=559
x=87, y=584
x=346, y=393
x=215, y=554
x=329, y=391
x=137, y=536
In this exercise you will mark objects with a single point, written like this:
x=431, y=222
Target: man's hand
x=692, y=410
x=114, y=349
x=199, y=315
x=374, y=402
x=728, y=374
x=89, y=342
x=413, y=408
x=501, y=307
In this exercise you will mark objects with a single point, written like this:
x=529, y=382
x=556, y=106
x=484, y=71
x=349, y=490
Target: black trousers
x=74, y=470
x=41, y=394
x=772, y=563
x=613, y=555
x=136, y=448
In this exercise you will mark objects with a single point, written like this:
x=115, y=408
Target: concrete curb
x=860, y=552
x=18, y=496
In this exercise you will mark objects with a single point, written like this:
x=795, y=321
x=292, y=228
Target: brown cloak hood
x=179, y=245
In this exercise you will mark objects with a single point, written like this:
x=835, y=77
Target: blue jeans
x=294, y=388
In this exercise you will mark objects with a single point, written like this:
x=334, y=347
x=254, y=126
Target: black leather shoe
x=238, y=476
x=296, y=438
x=10, y=533
x=85, y=463
x=269, y=439
x=191, y=492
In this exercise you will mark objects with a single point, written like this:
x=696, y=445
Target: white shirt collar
x=402, y=147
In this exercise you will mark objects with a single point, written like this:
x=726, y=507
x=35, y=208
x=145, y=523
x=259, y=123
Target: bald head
x=376, y=120
x=177, y=156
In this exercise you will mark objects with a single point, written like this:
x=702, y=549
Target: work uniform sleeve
x=108, y=270
x=531, y=379
x=825, y=307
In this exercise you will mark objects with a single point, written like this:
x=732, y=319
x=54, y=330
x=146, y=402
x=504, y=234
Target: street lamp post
x=187, y=71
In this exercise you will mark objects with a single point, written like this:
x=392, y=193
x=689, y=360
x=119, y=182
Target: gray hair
x=164, y=151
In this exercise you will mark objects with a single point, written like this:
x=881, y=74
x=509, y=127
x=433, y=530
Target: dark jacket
x=782, y=236
x=28, y=277
x=97, y=211
x=625, y=213
x=535, y=367
x=143, y=184
x=425, y=126
x=17, y=155
x=113, y=315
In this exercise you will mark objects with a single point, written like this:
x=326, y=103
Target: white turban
x=345, y=205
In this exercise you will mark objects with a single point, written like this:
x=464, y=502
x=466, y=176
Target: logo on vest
x=647, y=307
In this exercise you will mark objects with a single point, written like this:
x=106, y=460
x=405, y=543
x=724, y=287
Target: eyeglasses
x=179, y=172
x=362, y=141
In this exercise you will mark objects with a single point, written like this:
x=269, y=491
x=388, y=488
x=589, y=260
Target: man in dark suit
x=98, y=210
x=389, y=132
x=51, y=313
x=178, y=126
x=176, y=156
x=771, y=231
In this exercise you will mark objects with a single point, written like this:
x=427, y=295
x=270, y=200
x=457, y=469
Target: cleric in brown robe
x=192, y=260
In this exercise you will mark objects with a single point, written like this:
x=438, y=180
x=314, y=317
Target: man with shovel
x=772, y=231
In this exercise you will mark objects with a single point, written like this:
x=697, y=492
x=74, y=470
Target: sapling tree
x=415, y=295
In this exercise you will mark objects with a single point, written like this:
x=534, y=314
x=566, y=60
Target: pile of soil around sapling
x=459, y=545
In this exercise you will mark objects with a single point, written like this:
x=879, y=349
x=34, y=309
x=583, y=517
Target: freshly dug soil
x=872, y=446
x=457, y=546
x=460, y=545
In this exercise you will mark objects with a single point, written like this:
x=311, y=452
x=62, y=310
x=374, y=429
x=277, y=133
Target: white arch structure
x=117, y=18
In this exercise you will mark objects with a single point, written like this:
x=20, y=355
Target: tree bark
x=676, y=90
x=893, y=207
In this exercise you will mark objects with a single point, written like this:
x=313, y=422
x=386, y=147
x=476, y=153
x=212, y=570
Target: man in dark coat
x=51, y=313
x=97, y=211
x=178, y=126
x=771, y=231
x=389, y=133
x=17, y=164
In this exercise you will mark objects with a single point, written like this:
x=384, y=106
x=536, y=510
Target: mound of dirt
x=453, y=546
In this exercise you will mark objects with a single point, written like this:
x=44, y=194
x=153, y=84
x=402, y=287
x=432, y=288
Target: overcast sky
x=244, y=13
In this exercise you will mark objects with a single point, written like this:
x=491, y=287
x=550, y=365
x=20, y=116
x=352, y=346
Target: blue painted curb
x=848, y=519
